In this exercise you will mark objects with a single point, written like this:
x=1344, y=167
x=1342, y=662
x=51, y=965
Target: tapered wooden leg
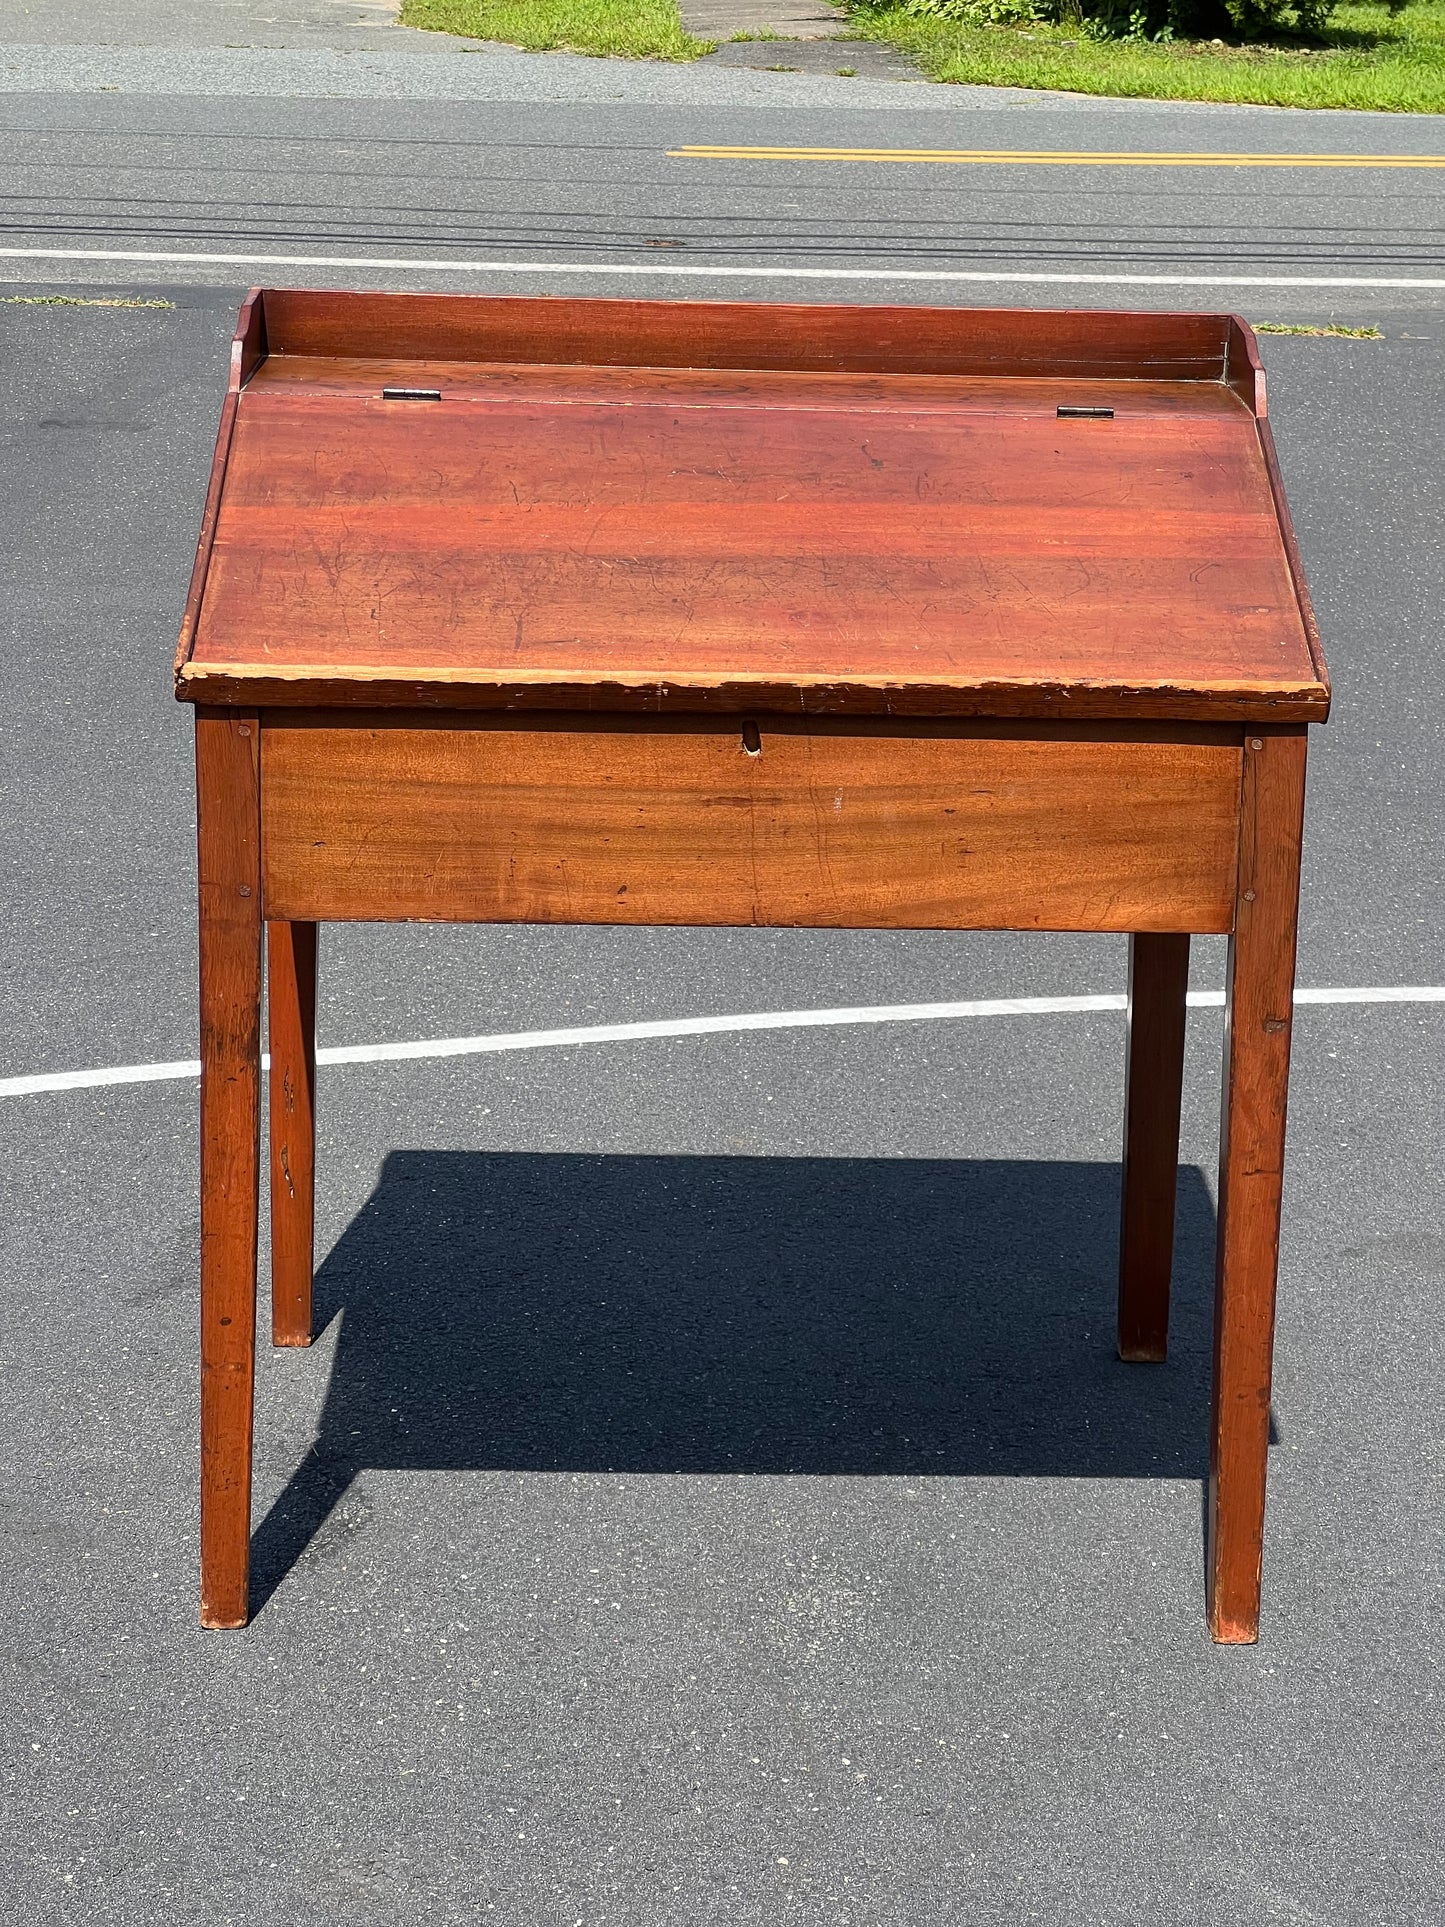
x=230, y=955
x=291, y=989
x=1158, y=981
x=1258, y=1015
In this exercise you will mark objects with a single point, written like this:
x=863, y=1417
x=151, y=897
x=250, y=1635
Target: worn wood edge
x=249, y=344
x=248, y=351
x=1243, y=368
x=321, y=685
x=1293, y=558
x=1244, y=343
x=206, y=540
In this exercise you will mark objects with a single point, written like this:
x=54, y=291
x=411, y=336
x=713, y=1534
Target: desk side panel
x=248, y=351
x=689, y=821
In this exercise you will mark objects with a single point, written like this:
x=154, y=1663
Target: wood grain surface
x=866, y=634
x=230, y=994
x=638, y=821
x=1243, y=369
x=1259, y=1016
x=291, y=1006
x=685, y=505
x=1158, y=983
x=363, y=378
x=984, y=548
x=748, y=334
x=248, y=351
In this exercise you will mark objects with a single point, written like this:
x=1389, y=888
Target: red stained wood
x=746, y=334
x=1292, y=554
x=1258, y=1024
x=821, y=528
x=561, y=384
x=250, y=345
x=1158, y=982
x=229, y=873
x=1243, y=369
x=856, y=514
x=247, y=352
x=876, y=825
x=291, y=1003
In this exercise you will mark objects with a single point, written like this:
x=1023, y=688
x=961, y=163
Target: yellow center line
x=964, y=157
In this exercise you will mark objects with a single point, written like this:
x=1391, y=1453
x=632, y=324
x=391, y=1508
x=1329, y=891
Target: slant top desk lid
x=550, y=503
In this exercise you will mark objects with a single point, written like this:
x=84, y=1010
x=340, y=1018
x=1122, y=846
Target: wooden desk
x=653, y=612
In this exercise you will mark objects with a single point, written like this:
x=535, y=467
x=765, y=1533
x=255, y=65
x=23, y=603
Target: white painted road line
x=702, y=1027
x=612, y=268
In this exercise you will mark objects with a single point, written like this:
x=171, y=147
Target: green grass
x=78, y=301
x=634, y=29
x=1366, y=58
x=1327, y=328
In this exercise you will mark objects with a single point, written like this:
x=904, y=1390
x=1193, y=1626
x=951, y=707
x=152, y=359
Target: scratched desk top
x=490, y=503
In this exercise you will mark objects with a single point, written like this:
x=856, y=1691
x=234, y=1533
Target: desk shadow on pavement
x=507, y=1311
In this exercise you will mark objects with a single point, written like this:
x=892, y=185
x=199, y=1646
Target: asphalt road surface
x=588, y=196
x=714, y=1496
